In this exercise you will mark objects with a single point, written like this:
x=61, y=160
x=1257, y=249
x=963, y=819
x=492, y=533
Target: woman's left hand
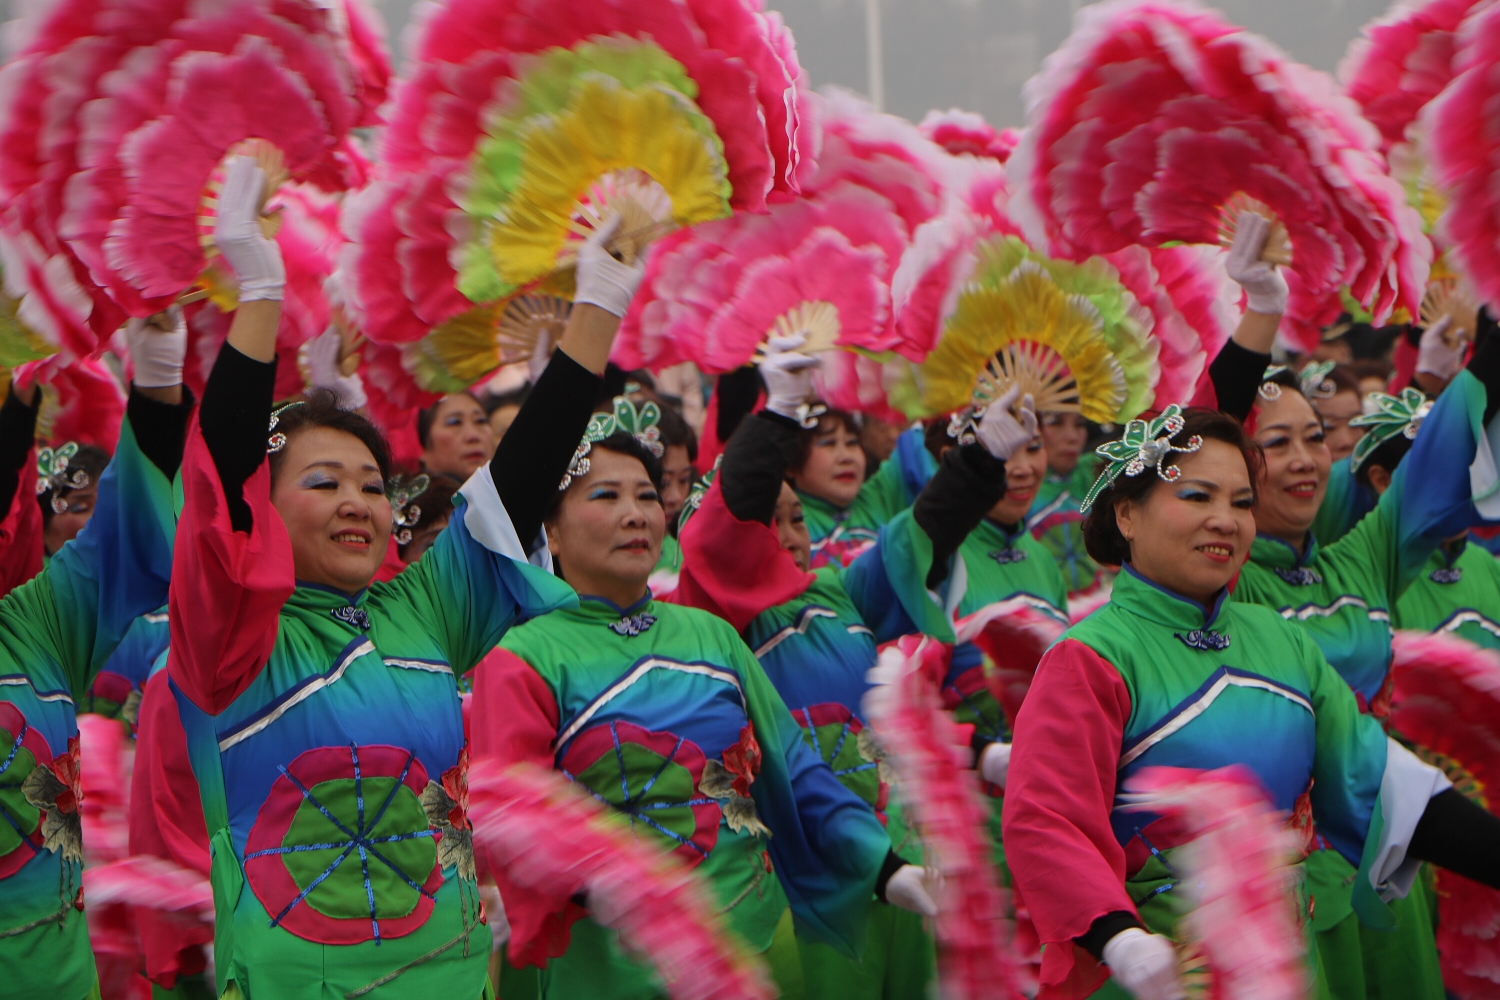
x=907, y=888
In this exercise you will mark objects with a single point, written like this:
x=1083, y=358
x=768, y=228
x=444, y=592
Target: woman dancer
x=663, y=712
x=321, y=712
x=56, y=631
x=1172, y=672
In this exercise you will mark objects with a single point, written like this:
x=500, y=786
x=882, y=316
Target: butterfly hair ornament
x=1144, y=445
x=405, y=514
x=52, y=474
x=641, y=423
x=277, y=440
x=1393, y=415
x=1313, y=380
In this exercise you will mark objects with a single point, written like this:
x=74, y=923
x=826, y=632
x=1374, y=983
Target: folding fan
x=467, y=348
x=531, y=122
x=1156, y=123
x=1071, y=335
x=112, y=137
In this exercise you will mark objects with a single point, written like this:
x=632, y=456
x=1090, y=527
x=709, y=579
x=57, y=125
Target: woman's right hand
x=1144, y=964
x=1264, y=286
x=238, y=234
x=787, y=374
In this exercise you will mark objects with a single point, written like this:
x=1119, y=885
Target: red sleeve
x=228, y=586
x=21, y=532
x=514, y=718
x=731, y=568
x=1058, y=843
x=166, y=821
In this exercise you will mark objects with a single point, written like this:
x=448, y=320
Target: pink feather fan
x=941, y=797
x=82, y=401
x=545, y=837
x=1401, y=61
x=1154, y=116
x=1462, y=146
x=1237, y=868
x=409, y=232
x=117, y=116
x=967, y=133
x=1013, y=634
x=1446, y=700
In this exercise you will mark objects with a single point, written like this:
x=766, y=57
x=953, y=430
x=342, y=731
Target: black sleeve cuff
x=1106, y=927
x=979, y=744
x=737, y=390
x=755, y=462
x=888, y=868
x=1485, y=366
x=533, y=456
x=1458, y=835
x=969, y=481
x=17, y=435
x=1237, y=374
x=234, y=418
x=160, y=428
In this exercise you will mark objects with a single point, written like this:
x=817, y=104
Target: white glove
x=1261, y=281
x=603, y=281
x=998, y=429
x=1435, y=357
x=994, y=763
x=255, y=259
x=907, y=888
x=1145, y=964
x=323, y=370
x=787, y=374
x=157, y=354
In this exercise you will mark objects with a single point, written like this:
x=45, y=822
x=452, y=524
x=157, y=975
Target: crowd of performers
x=309, y=666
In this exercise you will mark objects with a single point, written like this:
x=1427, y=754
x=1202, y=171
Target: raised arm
x=20, y=517
x=1236, y=373
x=233, y=560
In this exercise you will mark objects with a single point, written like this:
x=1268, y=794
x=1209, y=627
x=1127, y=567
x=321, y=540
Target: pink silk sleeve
x=514, y=718
x=228, y=586
x=1064, y=857
x=731, y=568
x=21, y=532
x=166, y=821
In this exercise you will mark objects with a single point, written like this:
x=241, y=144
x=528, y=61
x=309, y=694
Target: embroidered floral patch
x=1447, y=574
x=1301, y=576
x=836, y=735
x=1007, y=556
x=447, y=809
x=743, y=760
x=23, y=751
x=351, y=615
x=632, y=625
x=652, y=778
x=341, y=851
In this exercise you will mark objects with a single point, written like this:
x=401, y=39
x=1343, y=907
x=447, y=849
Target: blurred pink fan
x=1237, y=869
x=82, y=402
x=965, y=132
x=1153, y=117
x=1014, y=634
x=1446, y=700
x=1463, y=147
x=1193, y=303
x=394, y=399
x=118, y=114
x=551, y=843
x=945, y=803
x=932, y=272
x=105, y=760
x=1402, y=60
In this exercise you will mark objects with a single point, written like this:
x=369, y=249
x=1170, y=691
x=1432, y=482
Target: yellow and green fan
x=1070, y=334
x=18, y=344
x=467, y=348
x=609, y=126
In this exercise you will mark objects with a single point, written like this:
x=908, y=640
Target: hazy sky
x=976, y=54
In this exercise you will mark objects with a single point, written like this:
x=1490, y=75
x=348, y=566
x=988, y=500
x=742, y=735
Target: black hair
x=676, y=431
x=91, y=460
x=825, y=423
x=425, y=417
x=1388, y=454
x=491, y=403
x=935, y=437
x=1344, y=379
x=621, y=443
x=1101, y=534
x=320, y=408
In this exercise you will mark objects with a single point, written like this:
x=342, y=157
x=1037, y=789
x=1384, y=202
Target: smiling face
x=1297, y=464
x=1193, y=535
x=607, y=531
x=330, y=495
x=791, y=528
x=1023, y=474
x=460, y=439
x=835, y=467
x=1065, y=435
x=676, y=479
x=1336, y=413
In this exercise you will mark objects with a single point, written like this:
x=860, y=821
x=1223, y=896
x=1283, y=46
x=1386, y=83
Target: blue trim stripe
x=804, y=621
x=1198, y=702
x=296, y=694
x=21, y=680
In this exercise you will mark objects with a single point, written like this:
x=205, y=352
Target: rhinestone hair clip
x=52, y=474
